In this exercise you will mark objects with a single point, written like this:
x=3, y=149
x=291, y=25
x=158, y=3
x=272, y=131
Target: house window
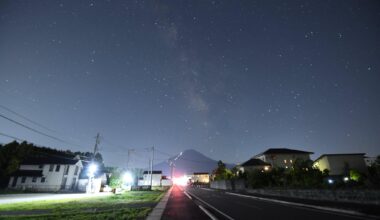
x=23, y=179
x=76, y=170
x=285, y=161
x=57, y=168
x=34, y=179
x=40, y=166
x=67, y=167
x=291, y=161
x=42, y=179
x=51, y=167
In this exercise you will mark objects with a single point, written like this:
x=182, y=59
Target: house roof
x=337, y=155
x=154, y=172
x=36, y=173
x=284, y=151
x=254, y=162
x=200, y=173
x=49, y=160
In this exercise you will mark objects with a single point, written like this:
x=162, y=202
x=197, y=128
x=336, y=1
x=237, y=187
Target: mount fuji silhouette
x=188, y=162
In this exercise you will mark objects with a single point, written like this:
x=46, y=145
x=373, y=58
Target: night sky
x=226, y=78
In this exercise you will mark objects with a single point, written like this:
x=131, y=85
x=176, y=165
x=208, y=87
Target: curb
x=157, y=212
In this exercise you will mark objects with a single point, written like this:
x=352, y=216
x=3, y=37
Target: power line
x=37, y=131
x=10, y=136
x=26, y=118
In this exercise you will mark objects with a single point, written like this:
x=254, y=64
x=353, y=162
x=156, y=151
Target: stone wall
x=353, y=196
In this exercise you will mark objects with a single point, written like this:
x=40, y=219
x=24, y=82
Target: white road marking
x=187, y=194
x=207, y=189
x=209, y=205
x=208, y=213
x=327, y=209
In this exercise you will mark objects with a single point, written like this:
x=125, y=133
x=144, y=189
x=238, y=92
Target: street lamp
x=92, y=168
x=127, y=178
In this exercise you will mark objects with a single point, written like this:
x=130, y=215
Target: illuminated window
x=291, y=161
x=285, y=161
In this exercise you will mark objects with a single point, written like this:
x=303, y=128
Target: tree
x=374, y=172
x=221, y=172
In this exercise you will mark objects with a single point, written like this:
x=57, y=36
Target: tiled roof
x=254, y=162
x=200, y=173
x=48, y=160
x=283, y=151
x=154, y=172
x=27, y=173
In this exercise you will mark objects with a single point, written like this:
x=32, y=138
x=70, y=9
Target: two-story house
x=47, y=174
x=283, y=157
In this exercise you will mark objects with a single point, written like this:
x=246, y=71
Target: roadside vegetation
x=129, y=205
x=301, y=175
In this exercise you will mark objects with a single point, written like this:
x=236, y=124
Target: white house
x=283, y=157
x=201, y=178
x=156, y=178
x=47, y=174
x=338, y=164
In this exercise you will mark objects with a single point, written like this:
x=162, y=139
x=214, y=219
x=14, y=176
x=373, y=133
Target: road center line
x=207, y=213
x=209, y=205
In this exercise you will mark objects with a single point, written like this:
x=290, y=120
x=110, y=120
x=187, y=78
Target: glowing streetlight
x=127, y=178
x=92, y=169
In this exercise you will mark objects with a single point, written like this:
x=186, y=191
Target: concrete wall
x=353, y=196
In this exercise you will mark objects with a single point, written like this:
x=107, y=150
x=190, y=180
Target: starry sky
x=227, y=78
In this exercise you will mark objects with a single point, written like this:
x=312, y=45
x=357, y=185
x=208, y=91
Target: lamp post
x=92, y=168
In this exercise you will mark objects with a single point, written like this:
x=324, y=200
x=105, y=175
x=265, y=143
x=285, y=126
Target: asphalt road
x=180, y=206
x=227, y=206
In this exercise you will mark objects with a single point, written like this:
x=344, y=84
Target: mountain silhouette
x=188, y=162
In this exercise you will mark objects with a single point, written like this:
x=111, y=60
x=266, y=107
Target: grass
x=129, y=205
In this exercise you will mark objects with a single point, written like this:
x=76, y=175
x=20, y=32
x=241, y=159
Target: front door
x=14, y=182
x=64, y=183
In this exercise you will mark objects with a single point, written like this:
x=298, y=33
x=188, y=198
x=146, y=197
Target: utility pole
x=130, y=151
x=96, y=148
x=151, y=169
x=171, y=164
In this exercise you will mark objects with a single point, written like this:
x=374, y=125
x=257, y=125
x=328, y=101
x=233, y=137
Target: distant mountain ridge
x=188, y=162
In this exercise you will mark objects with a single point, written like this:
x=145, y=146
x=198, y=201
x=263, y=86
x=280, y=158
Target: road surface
x=180, y=206
x=228, y=206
